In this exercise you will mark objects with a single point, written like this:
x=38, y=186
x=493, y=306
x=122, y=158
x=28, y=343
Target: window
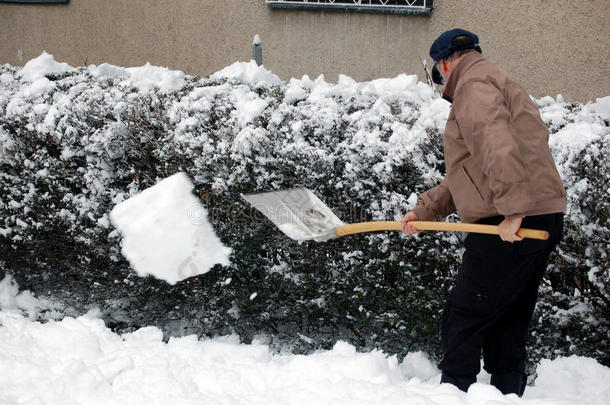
x=380, y=6
x=34, y=1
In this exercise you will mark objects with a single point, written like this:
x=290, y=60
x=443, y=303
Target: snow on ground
x=80, y=361
x=24, y=302
x=166, y=232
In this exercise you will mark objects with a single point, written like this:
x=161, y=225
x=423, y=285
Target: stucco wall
x=550, y=46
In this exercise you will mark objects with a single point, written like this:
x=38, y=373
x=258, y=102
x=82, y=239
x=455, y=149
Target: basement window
x=372, y=6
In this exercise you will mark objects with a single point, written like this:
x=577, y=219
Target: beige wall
x=550, y=46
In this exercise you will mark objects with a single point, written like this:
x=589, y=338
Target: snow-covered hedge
x=74, y=142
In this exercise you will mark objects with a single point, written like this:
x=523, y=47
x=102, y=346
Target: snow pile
x=144, y=78
x=42, y=66
x=24, y=302
x=576, y=379
x=248, y=72
x=150, y=77
x=80, y=361
x=166, y=232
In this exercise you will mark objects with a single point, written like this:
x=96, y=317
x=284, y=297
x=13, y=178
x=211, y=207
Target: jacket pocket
x=472, y=183
x=469, y=197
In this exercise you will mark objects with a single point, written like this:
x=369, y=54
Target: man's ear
x=442, y=64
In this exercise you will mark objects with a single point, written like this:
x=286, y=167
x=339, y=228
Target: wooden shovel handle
x=361, y=227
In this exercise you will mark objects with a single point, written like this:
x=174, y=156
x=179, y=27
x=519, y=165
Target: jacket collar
x=463, y=65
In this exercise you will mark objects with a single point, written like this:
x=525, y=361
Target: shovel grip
x=362, y=227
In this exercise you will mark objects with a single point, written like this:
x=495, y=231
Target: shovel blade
x=297, y=212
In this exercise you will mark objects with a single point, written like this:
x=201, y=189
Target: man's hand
x=508, y=229
x=406, y=228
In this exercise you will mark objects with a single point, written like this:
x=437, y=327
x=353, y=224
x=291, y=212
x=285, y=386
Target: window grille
x=380, y=6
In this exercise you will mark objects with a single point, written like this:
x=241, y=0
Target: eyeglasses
x=437, y=77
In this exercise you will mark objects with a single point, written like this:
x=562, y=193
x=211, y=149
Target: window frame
x=370, y=6
x=36, y=1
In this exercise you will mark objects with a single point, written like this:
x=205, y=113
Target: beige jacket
x=496, y=148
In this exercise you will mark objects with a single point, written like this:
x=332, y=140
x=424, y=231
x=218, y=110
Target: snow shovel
x=301, y=215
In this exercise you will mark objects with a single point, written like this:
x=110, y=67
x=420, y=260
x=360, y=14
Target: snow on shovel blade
x=297, y=212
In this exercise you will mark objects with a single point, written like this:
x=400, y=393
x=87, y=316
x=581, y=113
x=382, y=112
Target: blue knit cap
x=441, y=48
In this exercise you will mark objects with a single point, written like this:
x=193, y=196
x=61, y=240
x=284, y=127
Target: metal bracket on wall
x=422, y=7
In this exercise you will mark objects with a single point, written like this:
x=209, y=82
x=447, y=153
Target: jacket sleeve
x=485, y=123
x=435, y=203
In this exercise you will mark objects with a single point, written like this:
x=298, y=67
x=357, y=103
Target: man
x=499, y=171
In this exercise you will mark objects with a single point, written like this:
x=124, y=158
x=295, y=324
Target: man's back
x=501, y=141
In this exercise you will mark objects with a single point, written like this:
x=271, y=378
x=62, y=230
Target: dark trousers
x=491, y=305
